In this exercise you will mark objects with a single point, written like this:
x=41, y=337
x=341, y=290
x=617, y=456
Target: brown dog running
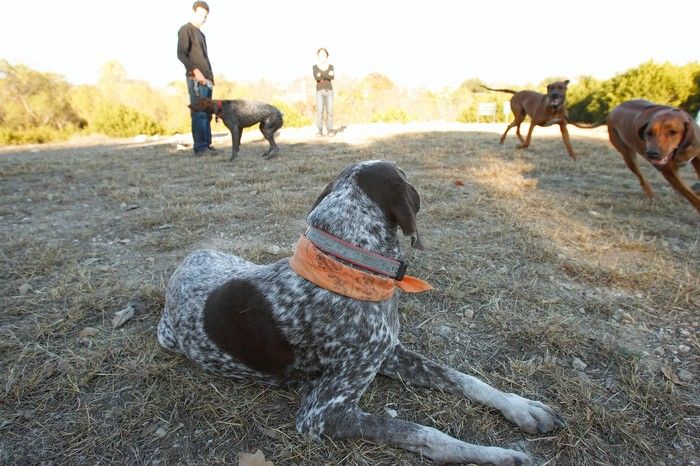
x=543, y=109
x=666, y=136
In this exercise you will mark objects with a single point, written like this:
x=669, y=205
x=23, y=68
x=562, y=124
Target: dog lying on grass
x=238, y=114
x=326, y=321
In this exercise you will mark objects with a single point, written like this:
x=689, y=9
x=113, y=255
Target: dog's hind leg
x=526, y=143
x=166, y=335
x=270, y=137
x=268, y=128
x=519, y=114
x=330, y=408
x=236, y=132
x=513, y=123
x=410, y=367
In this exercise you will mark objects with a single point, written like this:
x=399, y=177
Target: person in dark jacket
x=192, y=52
x=323, y=74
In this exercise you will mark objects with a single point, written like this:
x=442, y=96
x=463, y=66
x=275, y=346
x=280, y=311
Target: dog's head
x=666, y=135
x=369, y=199
x=556, y=94
x=203, y=105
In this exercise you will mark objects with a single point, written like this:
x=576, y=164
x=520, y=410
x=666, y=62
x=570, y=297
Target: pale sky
x=436, y=44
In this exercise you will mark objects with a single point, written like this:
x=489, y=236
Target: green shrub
x=37, y=135
x=121, y=121
x=390, y=115
x=293, y=115
x=667, y=84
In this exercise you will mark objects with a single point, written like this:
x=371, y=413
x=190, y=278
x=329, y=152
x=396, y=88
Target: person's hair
x=200, y=5
x=321, y=50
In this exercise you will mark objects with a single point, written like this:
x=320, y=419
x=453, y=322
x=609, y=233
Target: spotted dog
x=267, y=323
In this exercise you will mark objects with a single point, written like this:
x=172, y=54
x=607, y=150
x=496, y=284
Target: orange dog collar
x=323, y=270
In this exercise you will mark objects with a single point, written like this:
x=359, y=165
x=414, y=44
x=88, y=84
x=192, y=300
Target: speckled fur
x=340, y=344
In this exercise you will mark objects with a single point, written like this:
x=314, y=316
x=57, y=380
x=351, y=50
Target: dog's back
x=250, y=112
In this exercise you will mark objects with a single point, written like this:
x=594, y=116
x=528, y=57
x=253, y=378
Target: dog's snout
x=652, y=153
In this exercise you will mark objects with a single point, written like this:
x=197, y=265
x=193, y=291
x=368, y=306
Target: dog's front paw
x=531, y=416
x=491, y=455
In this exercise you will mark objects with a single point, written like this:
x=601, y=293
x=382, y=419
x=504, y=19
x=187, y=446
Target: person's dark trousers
x=201, y=121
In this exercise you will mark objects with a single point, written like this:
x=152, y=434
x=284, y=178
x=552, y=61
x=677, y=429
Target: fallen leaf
x=273, y=434
x=459, y=183
x=24, y=289
x=670, y=375
x=256, y=459
x=273, y=249
x=88, y=332
x=121, y=317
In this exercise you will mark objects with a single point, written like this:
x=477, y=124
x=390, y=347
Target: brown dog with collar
x=543, y=109
x=666, y=136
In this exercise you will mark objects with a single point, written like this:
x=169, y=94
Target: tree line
x=41, y=107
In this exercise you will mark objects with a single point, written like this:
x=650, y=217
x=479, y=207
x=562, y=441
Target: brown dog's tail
x=587, y=125
x=500, y=90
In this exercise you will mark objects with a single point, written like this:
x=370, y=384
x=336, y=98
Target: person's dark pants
x=201, y=121
x=324, y=104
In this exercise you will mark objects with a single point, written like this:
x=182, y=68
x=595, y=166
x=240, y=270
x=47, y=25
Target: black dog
x=238, y=114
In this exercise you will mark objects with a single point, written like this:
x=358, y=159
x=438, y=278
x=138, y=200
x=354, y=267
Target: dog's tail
x=587, y=125
x=500, y=90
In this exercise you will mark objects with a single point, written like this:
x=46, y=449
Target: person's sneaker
x=319, y=134
x=211, y=150
x=332, y=133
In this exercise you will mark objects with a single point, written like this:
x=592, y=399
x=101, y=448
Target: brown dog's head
x=667, y=134
x=203, y=105
x=556, y=94
x=386, y=185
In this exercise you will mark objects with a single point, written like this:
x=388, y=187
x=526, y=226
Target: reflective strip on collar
x=361, y=257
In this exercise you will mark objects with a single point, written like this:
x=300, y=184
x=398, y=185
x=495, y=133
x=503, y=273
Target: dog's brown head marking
x=203, y=105
x=556, y=94
x=386, y=185
x=667, y=133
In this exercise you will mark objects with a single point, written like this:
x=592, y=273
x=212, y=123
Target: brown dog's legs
x=567, y=141
x=519, y=114
x=513, y=123
x=696, y=166
x=670, y=173
x=630, y=156
x=526, y=143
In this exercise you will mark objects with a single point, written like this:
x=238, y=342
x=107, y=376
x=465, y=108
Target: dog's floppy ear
x=201, y=104
x=387, y=187
x=566, y=83
x=642, y=130
x=688, y=135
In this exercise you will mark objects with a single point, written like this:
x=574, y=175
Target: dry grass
x=556, y=260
